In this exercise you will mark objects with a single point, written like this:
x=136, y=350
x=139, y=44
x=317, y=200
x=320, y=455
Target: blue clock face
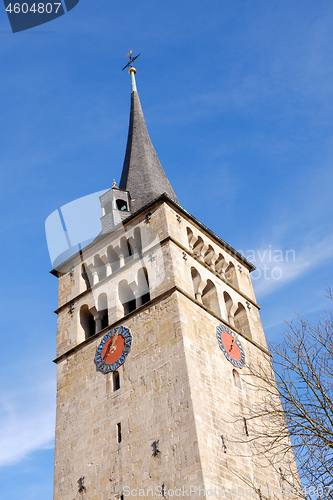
x=230, y=346
x=113, y=349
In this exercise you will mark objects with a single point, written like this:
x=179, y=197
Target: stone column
x=98, y=321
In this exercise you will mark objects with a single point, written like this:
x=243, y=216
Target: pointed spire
x=143, y=175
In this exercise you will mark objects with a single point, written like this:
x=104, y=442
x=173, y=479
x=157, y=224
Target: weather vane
x=131, y=60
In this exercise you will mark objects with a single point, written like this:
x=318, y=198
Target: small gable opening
x=122, y=205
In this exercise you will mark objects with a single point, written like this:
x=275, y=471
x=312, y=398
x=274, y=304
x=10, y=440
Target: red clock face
x=230, y=346
x=113, y=349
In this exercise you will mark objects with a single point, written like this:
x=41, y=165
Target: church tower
x=157, y=320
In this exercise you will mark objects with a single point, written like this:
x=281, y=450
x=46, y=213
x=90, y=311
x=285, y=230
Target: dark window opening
x=87, y=321
x=105, y=319
x=245, y=426
x=119, y=432
x=129, y=248
x=116, y=381
x=87, y=276
x=129, y=306
x=145, y=298
x=122, y=205
x=127, y=297
x=143, y=282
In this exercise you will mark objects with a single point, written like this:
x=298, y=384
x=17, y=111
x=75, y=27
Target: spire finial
x=131, y=70
x=114, y=184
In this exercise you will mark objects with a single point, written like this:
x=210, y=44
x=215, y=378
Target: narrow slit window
x=246, y=430
x=119, y=432
x=116, y=381
x=237, y=379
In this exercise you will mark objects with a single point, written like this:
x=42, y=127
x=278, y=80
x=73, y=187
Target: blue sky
x=238, y=99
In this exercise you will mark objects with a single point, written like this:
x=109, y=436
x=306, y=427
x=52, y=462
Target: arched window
x=228, y=305
x=87, y=321
x=210, y=299
x=122, y=205
x=126, y=249
x=143, y=287
x=190, y=237
x=127, y=297
x=86, y=276
x=209, y=255
x=196, y=280
x=137, y=239
x=100, y=268
x=113, y=258
x=198, y=246
x=230, y=274
x=220, y=265
x=237, y=379
x=102, y=311
x=241, y=320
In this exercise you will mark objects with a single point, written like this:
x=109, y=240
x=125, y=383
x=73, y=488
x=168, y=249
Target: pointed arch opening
x=220, y=265
x=230, y=274
x=143, y=295
x=86, y=276
x=102, y=313
x=87, y=321
x=127, y=297
x=126, y=249
x=197, y=247
x=190, y=237
x=196, y=281
x=99, y=267
x=228, y=305
x=113, y=259
x=210, y=298
x=209, y=255
x=241, y=320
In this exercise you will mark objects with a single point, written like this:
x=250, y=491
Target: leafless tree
x=293, y=415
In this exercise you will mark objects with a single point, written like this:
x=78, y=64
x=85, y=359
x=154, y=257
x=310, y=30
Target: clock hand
x=232, y=343
x=114, y=341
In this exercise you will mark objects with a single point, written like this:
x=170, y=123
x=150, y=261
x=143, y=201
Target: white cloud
x=27, y=421
x=276, y=268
